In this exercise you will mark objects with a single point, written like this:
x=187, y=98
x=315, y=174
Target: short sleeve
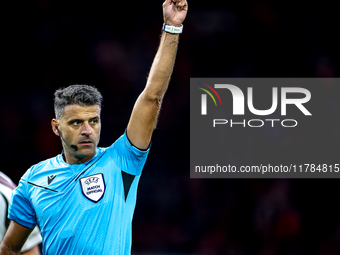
x=20, y=209
x=127, y=157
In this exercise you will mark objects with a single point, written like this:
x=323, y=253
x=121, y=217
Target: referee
x=83, y=199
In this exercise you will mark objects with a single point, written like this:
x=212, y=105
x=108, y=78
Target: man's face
x=80, y=126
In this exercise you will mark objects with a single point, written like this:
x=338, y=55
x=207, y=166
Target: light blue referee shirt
x=82, y=209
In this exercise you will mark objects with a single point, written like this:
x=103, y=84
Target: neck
x=74, y=159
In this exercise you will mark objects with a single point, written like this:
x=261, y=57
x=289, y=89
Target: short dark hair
x=83, y=95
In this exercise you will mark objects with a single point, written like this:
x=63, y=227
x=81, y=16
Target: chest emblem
x=93, y=187
x=50, y=178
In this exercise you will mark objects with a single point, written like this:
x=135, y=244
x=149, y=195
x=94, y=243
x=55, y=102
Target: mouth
x=86, y=142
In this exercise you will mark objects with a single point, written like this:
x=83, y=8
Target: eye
x=94, y=121
x=76, y=122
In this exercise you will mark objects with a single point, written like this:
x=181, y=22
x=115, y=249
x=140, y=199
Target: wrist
x=172, y=29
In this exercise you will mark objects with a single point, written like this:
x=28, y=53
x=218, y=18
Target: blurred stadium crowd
x=52, y=44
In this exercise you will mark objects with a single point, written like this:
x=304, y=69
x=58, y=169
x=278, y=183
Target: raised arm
x=144, y=114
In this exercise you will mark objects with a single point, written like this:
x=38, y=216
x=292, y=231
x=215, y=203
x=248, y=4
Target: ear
x=55, y=124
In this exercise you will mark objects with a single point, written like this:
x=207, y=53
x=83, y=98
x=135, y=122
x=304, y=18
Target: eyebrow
x=71, y=121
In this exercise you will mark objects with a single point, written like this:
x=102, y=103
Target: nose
x=86, y=129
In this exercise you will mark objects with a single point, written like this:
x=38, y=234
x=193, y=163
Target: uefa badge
x=93, y=187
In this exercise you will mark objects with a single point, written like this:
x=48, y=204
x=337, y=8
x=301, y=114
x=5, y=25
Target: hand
x=174, y=12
